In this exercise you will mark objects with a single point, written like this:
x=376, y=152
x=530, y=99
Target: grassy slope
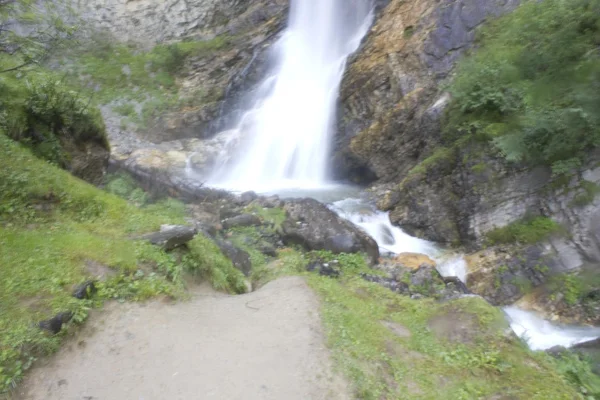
x=51, y=226
x=383, y=365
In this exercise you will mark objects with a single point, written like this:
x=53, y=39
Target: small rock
x=54, y=325
x=85, y=290
x=323, y=269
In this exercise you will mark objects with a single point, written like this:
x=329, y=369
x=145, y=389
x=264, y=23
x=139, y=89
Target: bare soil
x=264, y=345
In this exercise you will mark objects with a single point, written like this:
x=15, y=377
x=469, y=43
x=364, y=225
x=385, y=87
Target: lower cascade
x=281, y=144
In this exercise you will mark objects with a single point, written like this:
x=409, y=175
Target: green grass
x=52, y=225
x=424, y=365
x=525, y=231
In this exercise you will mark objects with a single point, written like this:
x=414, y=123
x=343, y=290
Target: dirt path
x=264, y=345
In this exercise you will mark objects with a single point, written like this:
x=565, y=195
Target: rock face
x=391, y=101
x=153, y=21
x=314, y=226
x=391, y=106
x=88, y=160
x=218, y=80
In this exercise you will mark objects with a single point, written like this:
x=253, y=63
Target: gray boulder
x=171, y=236
x=314, y=226
x=241, y=220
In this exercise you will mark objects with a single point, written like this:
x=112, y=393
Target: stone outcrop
x=391, y=98
x=171, y=236
x=154, y=21
x=314, y=226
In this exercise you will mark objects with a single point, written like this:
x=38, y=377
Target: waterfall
x=285, y=136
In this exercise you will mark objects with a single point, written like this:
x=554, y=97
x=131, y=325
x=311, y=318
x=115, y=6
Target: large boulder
x=314, y=226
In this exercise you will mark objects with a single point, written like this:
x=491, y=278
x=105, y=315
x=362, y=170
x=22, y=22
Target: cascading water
x=285, y=137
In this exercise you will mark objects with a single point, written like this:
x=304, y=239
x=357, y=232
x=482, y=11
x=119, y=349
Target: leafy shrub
x=45, y=114
x=536, y=76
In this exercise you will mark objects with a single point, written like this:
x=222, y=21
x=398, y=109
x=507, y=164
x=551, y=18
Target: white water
x=393, y=240
x=286, y=134
x=537, y=332
x=541, y=334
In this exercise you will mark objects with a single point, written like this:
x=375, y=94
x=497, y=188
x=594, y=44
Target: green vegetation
x=578, y=373
x=206, y=260
x=531, y=87
x=589, y=191
x=573, y=287
x=135, y=78
x=440, y=155
x=57, y=232
x=454, y=350
x=46, y=115
x=525, y=231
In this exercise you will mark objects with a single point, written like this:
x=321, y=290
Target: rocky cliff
x=217, y=82
x=392, y=108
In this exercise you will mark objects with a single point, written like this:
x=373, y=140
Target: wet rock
x=314, y=226
x=414, y=260
x=425, y=277
x=239, y=257
x=171, y=236
x=85, y=290
x=323, y=269
x=503, y=275
x=54, y=325
x=241, y=221
x=456, y=284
